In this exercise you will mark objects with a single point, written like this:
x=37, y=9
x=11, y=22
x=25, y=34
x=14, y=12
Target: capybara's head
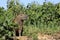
x=23, y=16
x=20, y=17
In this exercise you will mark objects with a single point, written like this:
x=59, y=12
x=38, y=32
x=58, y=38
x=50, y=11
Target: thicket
x=42, y=18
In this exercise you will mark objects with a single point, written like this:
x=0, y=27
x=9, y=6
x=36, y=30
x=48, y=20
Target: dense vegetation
x=42, y=18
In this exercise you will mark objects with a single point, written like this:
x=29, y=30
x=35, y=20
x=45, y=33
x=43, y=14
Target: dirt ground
x=55, y=36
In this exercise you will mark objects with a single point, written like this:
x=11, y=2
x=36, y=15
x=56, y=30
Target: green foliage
x=42, y=18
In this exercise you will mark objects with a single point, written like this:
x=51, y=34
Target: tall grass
x=33, y=30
